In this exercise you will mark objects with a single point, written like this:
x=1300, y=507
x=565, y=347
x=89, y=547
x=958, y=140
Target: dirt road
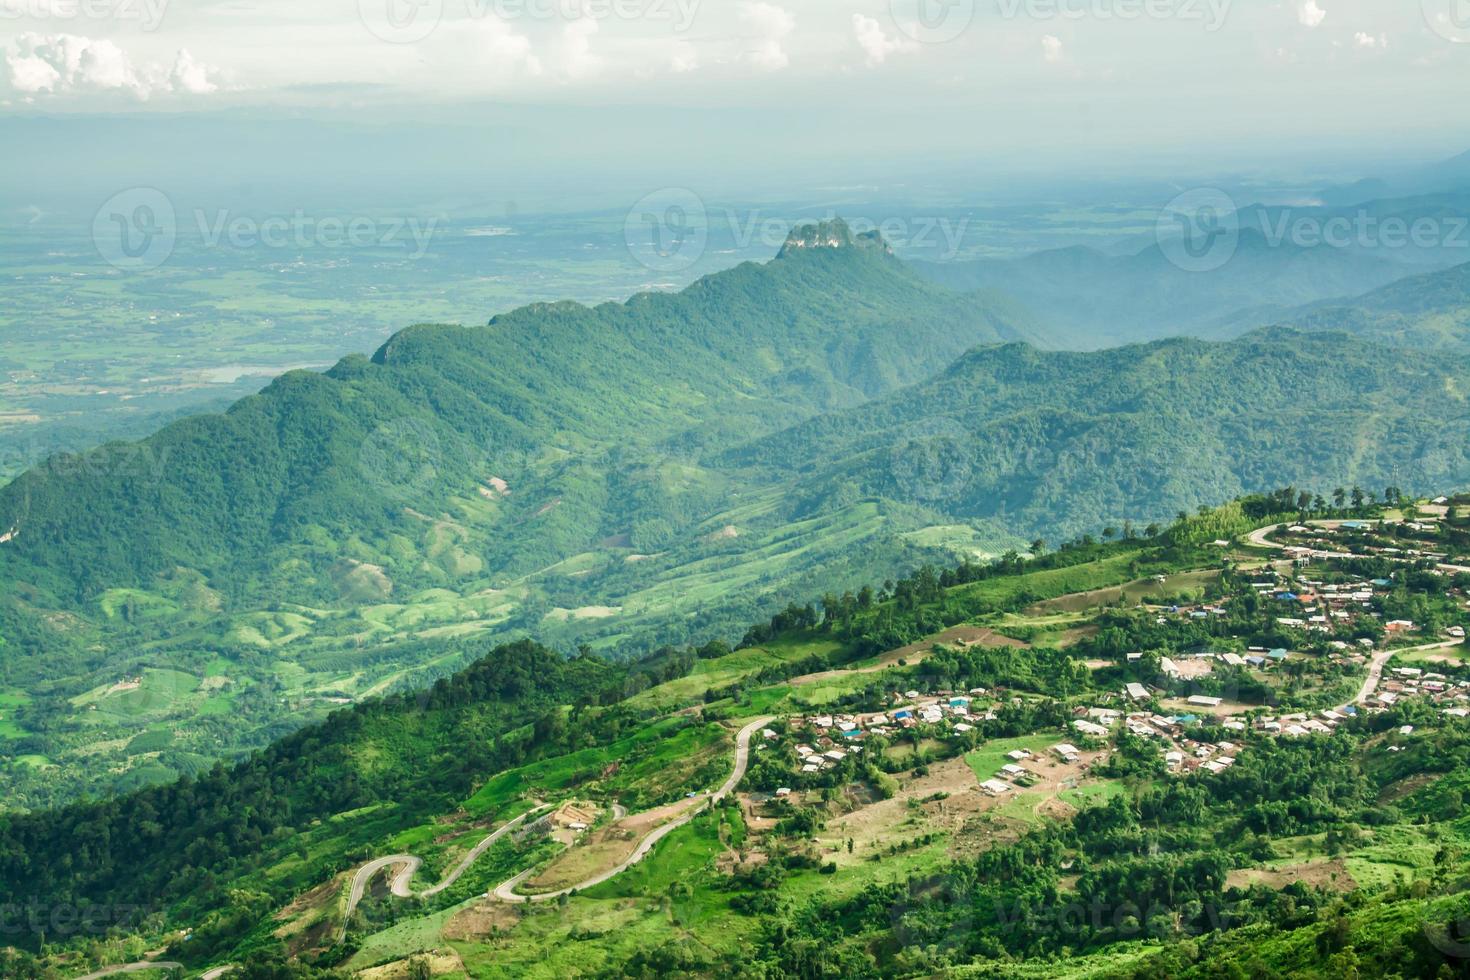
x=111, y=971
x=506, y=892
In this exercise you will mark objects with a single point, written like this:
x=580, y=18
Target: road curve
x=506, y=891
x=1260, y=537
x=139, y=967
x=1381, y=659
x=408, y=866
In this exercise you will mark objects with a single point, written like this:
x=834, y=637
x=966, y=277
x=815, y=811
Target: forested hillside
x=1426, y=311
x=658, y=471
x=1051, y=441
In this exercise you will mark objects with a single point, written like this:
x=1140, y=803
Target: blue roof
x=903, y=714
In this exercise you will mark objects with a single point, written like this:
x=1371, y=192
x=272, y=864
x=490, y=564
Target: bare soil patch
x=482, y=921
x=1321, y=874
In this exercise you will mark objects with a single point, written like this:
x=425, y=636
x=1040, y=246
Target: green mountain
x=1428, y=311
x=349, y=533
x=660, y=471
x=1056, y=443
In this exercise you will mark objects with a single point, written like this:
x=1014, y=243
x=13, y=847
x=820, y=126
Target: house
x=962, y=728
x=1168, y=666
x=1089, y=728
x=1067, y=751
x=995, y=787
x=1012, y=771
x=1202, y=701
x=784, y=791
x=1137, y=691
x=1233, y=659
x=1018, y=754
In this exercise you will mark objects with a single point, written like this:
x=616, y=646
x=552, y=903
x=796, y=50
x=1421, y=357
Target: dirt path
x=132, y=968
x=506, y=891
x=409, y=865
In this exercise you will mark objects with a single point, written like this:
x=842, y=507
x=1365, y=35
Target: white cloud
x=1363, y=40
x=574, y=51
x=684, y=58
x=192, y=77
x=494, y=45
x=1310, y=14
x=772, y=25
x=874, y=42
x=71, y=65
x=1051, y=48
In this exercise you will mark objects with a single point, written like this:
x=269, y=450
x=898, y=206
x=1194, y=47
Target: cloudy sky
x=1012, y=80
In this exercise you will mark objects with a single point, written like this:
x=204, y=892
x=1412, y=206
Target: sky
x=744, y=89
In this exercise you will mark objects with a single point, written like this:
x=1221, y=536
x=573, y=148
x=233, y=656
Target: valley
x=340, y=536
x=1184, y=686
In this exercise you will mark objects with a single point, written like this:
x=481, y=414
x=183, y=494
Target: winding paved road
x=1260, y=537
x=409, y=866
x=506, y=892
x=1381, y=659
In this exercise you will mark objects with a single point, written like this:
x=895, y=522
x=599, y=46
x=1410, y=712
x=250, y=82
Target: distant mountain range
x=1279, y=263
x=661, y=470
